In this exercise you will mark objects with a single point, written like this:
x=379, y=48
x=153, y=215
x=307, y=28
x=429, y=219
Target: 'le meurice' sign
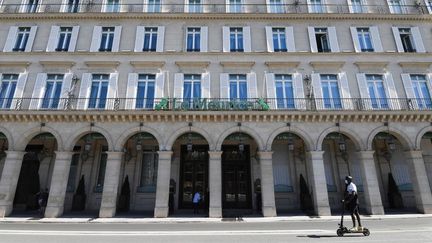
x=212, y=104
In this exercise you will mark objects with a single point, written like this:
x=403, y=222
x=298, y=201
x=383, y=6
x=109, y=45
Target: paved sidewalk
x=204, y=220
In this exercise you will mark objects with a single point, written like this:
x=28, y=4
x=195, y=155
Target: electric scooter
x=344, y=230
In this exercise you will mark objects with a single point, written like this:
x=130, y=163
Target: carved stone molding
x=372, y=66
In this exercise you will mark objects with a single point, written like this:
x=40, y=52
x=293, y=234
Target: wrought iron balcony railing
x=293, y=8
x=256, y=104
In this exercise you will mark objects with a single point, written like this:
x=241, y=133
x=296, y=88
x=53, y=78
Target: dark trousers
x=196, y=208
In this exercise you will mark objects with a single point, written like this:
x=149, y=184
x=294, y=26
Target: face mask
x=346, y=182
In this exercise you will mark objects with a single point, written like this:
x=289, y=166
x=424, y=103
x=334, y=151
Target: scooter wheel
x=339, y=232
x=366, y=232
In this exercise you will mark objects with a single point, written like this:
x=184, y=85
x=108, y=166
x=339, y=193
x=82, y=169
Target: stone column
x=162, y=187
x=60, y=177
x=420, y=181
x=9, y=181
x=111, y=185
x=373, y=201
x=215, y=184
x=319, y=183
x=267, y=183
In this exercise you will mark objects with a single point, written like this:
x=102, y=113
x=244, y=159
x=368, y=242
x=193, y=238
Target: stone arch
x=353, y=136
x=243, y=129
x=401, y=136
x=171, y=140
x=126, y=135
x=69, y=145
x=295, y=130
x=9, y=138
x=28, y=135
x=420, y=135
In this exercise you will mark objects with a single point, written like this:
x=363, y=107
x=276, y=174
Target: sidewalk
x=202, y=220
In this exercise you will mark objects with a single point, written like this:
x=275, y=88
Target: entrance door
x=28, y=183
x=193, y=176
x=236, y=179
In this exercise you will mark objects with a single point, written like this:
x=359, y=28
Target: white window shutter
x=252, y=85
x=205, y=85
x=317, y=90
x=96, y=39
x=112, y=87
x=350, y=6
x=398, y=40
x=271, y=89
x=186, y=6
x=345, y=91
x=269, y=38
x=334, y=45
x=204, y=39
x=160, y=84
x=19, y=90
x=74, y=38
x=66, y=86
x=429, y=5
x=53, y=38
x=310, y=8
x=409, y=91
x=11, y=39
x=376, y=39
x=131, y=91
x=224, y=86
x=355, y=39
x=38, y=91
x=299, y=95
x=312, y=39
x=362, y=84
x=84, y=94
x=268, y=4
x=178, y=85
x=418, y=41
x=289, y=36
x=160, y=39
x=247, y=39
x=392, y=93
x=226, y=38
x=139, y=39
x=31, y=39
x=117, y=38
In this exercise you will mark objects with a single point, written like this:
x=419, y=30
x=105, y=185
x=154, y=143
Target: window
x=31, y=6
x=154, y=6
x=101, y=172
x=112, y=6
x=7, y=90
x=150, y=38
x=145, y=91
x=330, y=89
x=421, y=91
x=276, y=6
x=194, y=6
x=65, y=36
x=395, y=6
x=238, y=86
x=191, y=88
x=22, y=39
x=236, y=40
x=149, y=167
x=284, y=91
x=73, y=173
x=193, y=39
x=53, y=87
x=72, y=6
x=235, y=6
x=316, y=6
x=365, y=41
x=407, y=39
x=322, y=40
x=98, y=92
x=279, y=40
x=376, y=91
x=356, y=6
x=107, y=39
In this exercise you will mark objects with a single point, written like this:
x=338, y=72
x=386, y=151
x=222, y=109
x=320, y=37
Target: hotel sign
x=212, y=104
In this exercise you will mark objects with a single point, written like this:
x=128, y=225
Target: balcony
x=213, y=104
x=277, y=9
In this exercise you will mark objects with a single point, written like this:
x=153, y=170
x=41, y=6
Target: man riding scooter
x=352, y=203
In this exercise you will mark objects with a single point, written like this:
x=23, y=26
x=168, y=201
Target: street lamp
x=189, y=145
x=241, y=145
x=290, y=139
x=138, y=142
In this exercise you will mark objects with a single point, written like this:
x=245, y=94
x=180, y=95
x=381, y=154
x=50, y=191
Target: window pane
x=150, y=94
x=280, y=95
x=140, y=95
x=233, y=90
x=243, y=90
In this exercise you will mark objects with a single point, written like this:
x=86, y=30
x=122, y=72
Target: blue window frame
x=236, y=40
x=31, y=6
x=154, y=6
x=276, y=6
x=364, y=38
x=150, y=38
x=107, y=39
x=238, y=86
x=8, y=83
x=356, y=6
x=22, y=39
x=376, y=91
x=53, y=88
x=235, y=6
x=316, y=6
x=145, y=91
x=113, y=6
x=73, y=6
x=64, y=39
x=194, y=6
x=193, y=39
x=330, y=89
x=191, y=88
x=284, y=91
x=99, y=91
x=421, y=91
x=279, y=40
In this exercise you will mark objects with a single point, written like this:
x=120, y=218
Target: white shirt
x=196, y=198
x=351, y=188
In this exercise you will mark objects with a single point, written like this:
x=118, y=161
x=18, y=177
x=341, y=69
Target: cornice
x=14, y=64
x=327, y=65
x=56, y=64
x=147, y=64
x=192, y=64
x=364, y=66
x=102, y=64
x=282, y=64
x=422, y=65
x=232, y=64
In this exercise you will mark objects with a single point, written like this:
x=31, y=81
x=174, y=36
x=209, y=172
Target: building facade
x=261, y=106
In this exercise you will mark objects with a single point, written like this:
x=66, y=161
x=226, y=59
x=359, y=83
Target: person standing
x=42, y=201
x=352, y=203
x=196, y=200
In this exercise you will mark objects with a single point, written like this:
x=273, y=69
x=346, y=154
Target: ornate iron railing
x=214, y=104
x=293, y=8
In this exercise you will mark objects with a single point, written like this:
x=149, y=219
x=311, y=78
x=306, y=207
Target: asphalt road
x=416, y=230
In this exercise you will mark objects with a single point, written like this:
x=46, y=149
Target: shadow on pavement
x=326, y=236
